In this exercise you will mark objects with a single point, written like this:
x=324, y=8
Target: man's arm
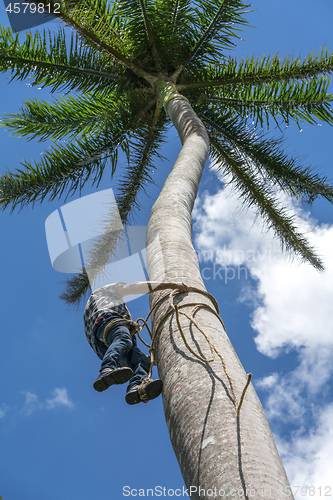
x=142, y=287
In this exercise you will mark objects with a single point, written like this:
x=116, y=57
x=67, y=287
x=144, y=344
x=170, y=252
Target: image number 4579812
x=24, y=15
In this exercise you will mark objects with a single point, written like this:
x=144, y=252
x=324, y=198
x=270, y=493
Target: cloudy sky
x=58, y=437
x=291, y=312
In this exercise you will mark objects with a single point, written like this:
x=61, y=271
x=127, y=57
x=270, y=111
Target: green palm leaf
x=144, y=152
x=254, y=193
x=213, y=31
x=70, y=117
x=46, y=60
x=255, y=71
x=286, y=101
x=117, y=53
x=139, y=27
x=63, y=170
x=102, y=28
x=269, y=159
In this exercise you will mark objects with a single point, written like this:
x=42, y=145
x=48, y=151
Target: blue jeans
x=123, y=350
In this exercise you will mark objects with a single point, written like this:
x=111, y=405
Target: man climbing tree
x=111, y=333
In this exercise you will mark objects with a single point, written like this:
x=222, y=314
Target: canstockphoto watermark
x=236, y=257
x=227, y=264
x=157, y=491
x=88, y=234
x=77, y=228
x=214, y=492
x=216, y=271
x=162, y=491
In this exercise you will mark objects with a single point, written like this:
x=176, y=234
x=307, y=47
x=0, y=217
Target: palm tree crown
x=123, y=60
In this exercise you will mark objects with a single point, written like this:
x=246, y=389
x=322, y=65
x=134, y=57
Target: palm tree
x=124, y=61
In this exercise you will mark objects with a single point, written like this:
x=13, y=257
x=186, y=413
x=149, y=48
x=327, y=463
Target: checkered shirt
x=101, y=302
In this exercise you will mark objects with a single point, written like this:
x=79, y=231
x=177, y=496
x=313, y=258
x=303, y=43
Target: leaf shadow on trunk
x=214, y=378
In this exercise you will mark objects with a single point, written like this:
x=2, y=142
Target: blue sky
x=61, y=439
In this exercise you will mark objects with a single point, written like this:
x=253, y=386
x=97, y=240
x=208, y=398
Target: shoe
x=144, y=392
x=110, y=376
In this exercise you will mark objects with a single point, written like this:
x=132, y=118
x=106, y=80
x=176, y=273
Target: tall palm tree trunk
x=224, y=455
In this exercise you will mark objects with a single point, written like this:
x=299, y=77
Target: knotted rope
x=135, y=328
x=176, y=309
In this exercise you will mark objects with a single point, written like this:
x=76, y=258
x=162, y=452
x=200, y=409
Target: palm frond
x=176, y=10
x=139, y=30
x=98, y=27
x=151, y=29
x=76, y=289
x=214, y=33
x=47, y=60
x=254, y=193
x=175, y=25
x=63, y=170
x=269, y=159
x=144, y=152
x=298, y=101
x=150, y=36
x=101, y=27
x=254, y=71
x=69, y=116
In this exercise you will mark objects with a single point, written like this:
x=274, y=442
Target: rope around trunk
x=175, y=308
x=135, y=327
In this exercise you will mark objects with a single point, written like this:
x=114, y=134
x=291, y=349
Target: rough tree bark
x=223, y=455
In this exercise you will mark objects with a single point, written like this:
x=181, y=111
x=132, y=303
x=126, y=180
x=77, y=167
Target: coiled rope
x=140, y=323
x=176, y=309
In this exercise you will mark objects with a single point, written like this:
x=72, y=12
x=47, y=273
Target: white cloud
x=293, y=300
x=59, y=398
x=296, y=299
x=31, y=404
x=292, y=309
x=3, y=410
x=309, y=460
x=268, y=382
x=293, y=397
x=284, y=401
